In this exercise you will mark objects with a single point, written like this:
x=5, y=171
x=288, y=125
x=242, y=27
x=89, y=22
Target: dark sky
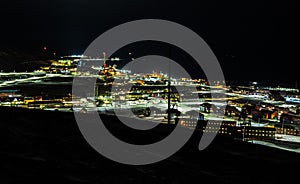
x=252, y=40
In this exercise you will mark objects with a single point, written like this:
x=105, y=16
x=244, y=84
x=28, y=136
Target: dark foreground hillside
x=47, y=147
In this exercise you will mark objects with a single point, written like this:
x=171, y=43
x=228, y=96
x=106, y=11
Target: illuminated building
x=287, y=130
x=255, y=133
x=227, y=128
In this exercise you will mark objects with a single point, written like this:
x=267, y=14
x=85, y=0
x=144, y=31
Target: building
x=255, y=133
x=287, y=130
x=227, y=128
x=290, y=118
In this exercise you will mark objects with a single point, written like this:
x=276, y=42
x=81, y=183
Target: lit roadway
x=25, y=80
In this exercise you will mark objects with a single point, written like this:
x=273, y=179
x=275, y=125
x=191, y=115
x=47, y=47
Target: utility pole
x=282, y=126
x=244, y=132
x=96, y=90
x=169, y=89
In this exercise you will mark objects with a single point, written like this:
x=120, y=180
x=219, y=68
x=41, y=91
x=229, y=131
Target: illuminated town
x=149, y=92
x=256, y=113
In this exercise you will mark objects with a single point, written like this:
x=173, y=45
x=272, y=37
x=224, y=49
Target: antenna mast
x=104, y=58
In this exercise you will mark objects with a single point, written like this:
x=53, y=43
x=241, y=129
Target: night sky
x=252, y=40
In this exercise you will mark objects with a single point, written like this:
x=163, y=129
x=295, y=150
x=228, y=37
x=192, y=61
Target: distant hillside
x=17, y=60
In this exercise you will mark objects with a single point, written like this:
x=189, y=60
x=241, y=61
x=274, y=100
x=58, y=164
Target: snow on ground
x=275, y=146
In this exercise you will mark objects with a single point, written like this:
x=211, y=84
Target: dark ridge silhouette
x=22, y=60
x=46, y=147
